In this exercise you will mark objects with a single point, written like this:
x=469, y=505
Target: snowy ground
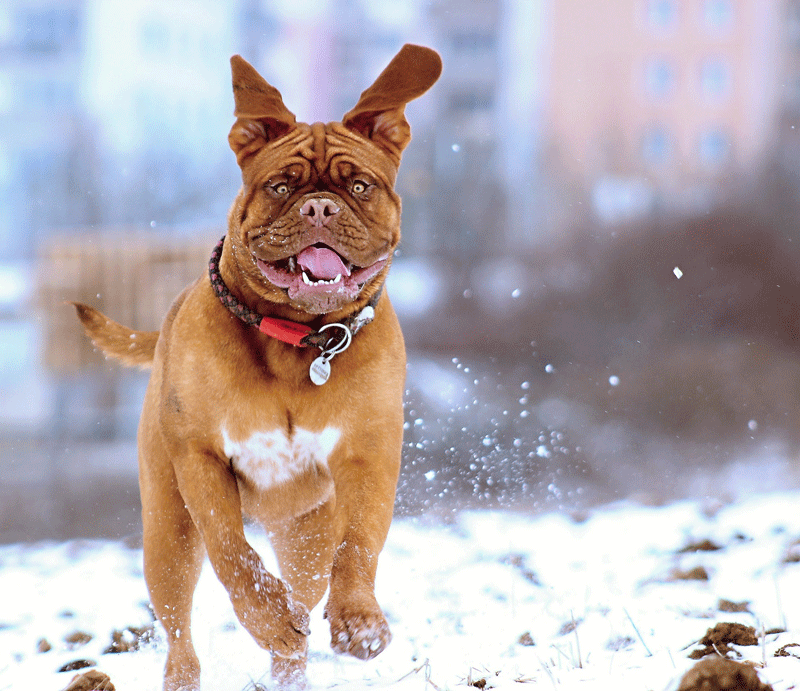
x=460, y=599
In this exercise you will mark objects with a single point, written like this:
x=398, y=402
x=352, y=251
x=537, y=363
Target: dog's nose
x=319, y=211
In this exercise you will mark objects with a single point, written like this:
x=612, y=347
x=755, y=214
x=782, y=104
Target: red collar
x=285, y=330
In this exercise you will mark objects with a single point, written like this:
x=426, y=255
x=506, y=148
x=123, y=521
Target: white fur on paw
x=363, y=643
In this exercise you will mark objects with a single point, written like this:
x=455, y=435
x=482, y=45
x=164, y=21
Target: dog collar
x=331, y=339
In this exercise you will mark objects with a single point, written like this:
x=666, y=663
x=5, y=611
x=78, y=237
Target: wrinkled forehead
x=327, y=151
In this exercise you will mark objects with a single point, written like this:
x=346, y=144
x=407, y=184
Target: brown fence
x=132, y=275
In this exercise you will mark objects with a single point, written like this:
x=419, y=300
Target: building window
x=6, y=24
x=49, y=29
x=470, y=101
x=715, y=147
x=793, y=21
x=715, y=78
x=662, y=14
x=47, y=93
x=7, y=100
x=657, y=145
x=154, y=37
x=793, y=94
x=660, y=77
x=474, y=41
x=718, y=14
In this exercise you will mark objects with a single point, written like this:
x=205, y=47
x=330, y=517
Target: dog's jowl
x=277, y=381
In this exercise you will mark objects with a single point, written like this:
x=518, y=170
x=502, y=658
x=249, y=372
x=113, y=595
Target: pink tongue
x=322, y=262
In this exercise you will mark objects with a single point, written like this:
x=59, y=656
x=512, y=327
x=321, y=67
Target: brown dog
x=238, y=415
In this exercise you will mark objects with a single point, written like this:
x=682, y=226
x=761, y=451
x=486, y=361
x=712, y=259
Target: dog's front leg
x=358, y=625
x=261, y=601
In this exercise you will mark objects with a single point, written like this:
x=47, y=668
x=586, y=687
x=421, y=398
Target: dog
x=277, y=381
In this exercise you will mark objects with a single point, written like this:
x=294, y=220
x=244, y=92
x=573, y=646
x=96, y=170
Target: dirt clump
x=718, y=639
x=700, y=546
x=721, y=674
x=620, y=643
x=43, y=646
x=698, y=573
x=526, y=639
x=792, y=555
x=570, y=626
x=75, y=665
x=783, y=651
x=130, y=639
x=519, y=562
x=90, y=681
x=731, y=606
x=77, y=639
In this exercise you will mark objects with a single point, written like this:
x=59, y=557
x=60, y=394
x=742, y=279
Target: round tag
x=320, y=371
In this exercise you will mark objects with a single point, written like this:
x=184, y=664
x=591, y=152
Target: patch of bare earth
x=92, y=680
x=721, y=674
x=717, y=640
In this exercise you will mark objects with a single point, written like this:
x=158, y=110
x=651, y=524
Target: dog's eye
x=359, y=187
x=281, y=188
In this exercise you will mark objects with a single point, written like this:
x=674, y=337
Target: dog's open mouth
x=321, y=271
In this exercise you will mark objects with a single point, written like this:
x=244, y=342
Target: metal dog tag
x=320, y=370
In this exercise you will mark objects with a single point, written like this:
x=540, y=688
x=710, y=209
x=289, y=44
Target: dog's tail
x=132, y=348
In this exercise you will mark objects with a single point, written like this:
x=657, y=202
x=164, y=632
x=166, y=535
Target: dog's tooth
x=292, y=264
x=321, y=281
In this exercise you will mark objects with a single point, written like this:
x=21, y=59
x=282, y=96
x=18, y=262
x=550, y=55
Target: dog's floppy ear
x=379, y=113
x=261, y=115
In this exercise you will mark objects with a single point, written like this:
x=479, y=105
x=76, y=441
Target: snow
x=415, y=285
x=595, y=593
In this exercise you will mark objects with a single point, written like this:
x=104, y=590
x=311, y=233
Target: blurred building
x=657, y=101
x=115, y=111
x=467, y=139
x=155, y=71
x=156, y=88
x=43, y=137
x=786, y=143
x=111, y=112
x=488, y=126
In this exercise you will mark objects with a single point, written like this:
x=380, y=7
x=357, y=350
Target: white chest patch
x=271, y=458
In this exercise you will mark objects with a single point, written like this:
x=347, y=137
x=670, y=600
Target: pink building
x=676, y=94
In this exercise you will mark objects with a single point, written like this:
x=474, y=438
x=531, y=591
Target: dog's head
x=317, y=220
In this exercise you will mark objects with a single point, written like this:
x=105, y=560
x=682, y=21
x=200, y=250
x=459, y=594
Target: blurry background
x=600, y=274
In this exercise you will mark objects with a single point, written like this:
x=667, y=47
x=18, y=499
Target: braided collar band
x=299, y=335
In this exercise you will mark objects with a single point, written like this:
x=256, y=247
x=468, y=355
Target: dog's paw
x=288, y=675
x=358, y=627
x=275, y=620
